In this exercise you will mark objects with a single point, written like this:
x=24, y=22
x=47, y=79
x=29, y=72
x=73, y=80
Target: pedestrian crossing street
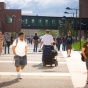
x=33, y=63
x=67, y=67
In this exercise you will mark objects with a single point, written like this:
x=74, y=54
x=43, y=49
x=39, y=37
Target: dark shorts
x=69, y=46
x=20, y=61
x=87, y=63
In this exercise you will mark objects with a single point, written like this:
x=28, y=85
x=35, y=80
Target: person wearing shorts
x=85, y=54
x=19, y=48
x=69, y=44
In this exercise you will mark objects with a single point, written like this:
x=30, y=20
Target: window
x=25, y=21
x=46, y=22
x=33, y=22
x=40, y=22
x=60, y=23
x=8, y=19
x=53, y=23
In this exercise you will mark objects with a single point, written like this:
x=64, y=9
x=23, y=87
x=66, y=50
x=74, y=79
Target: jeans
x=63, y=46
x=35, y=47
x=58, y=46
x=43, y=53
x=7, y=46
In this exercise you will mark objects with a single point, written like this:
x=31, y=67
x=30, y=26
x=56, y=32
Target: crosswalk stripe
x=34, y=74
x=30, y=62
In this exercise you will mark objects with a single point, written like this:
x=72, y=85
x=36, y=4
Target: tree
x=52, y=32
x=65, y=27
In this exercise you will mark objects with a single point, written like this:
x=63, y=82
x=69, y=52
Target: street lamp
x=68, y=8
x=69, y=13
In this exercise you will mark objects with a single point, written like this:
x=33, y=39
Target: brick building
x=10, y=19
x=83, y=6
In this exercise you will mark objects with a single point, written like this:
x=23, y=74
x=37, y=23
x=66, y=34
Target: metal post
x=86, y=31
x=80, y=25
x=76, y=25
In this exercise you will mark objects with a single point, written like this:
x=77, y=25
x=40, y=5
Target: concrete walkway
x=71, y=71
x=77, y=69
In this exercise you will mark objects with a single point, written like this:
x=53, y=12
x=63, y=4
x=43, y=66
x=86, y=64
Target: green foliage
x=13, y=34
x=67, y=26
x=76, y=46
x=52, y=32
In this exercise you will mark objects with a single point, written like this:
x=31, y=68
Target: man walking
x=7, y=41
x=35, y=41
x=58, y=42
x=69, y=43
x=47, y=40
x=19, y=48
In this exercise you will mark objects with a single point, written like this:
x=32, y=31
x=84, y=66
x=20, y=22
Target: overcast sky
x=42, y=7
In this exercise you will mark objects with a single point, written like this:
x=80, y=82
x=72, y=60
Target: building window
x=46, y=22
x=25, y=21
x=40, y=22
x=60, y=23
x=33, y=21
x=8, y=19
x=53, y=23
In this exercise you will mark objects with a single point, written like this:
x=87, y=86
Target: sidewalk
x=77, y=69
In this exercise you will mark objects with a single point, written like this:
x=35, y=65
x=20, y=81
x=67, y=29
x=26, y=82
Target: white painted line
x=30, y=62
x=34, y=74
x=13, y=61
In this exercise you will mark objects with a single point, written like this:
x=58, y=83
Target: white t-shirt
x=47, y=39
x=20, y=47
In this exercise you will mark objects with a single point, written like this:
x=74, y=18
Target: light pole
x=85, y=28
x=72, y=14
x=69, y=13
x=68, y=8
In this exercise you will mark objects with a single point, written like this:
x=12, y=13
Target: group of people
x=65, y=41
x=5, y=41
x=20, y=48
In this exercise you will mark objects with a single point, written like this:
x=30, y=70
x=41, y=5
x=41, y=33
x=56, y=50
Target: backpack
x=17, y=41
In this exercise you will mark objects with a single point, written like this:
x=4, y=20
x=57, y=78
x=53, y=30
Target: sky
x=43, y=7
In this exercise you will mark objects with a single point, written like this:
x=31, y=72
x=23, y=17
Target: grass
x=76, y=46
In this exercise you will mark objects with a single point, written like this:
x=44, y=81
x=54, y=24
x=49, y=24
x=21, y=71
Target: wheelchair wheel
x=44, y=64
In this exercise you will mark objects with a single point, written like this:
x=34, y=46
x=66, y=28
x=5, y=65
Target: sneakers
x=19, y=77
x=68, y=56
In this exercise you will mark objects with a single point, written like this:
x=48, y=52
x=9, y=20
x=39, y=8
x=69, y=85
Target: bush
x=76, y=45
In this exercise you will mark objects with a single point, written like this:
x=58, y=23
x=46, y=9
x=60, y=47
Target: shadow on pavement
x=63, y=57
x=49, y=71
x=8, y=83
x=86, y=86
x=40, y=66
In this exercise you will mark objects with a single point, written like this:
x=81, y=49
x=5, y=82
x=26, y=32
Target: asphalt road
x=34, y=75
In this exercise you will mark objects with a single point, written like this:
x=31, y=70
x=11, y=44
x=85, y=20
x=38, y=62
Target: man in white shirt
x=19, y=48
x=47, y=40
